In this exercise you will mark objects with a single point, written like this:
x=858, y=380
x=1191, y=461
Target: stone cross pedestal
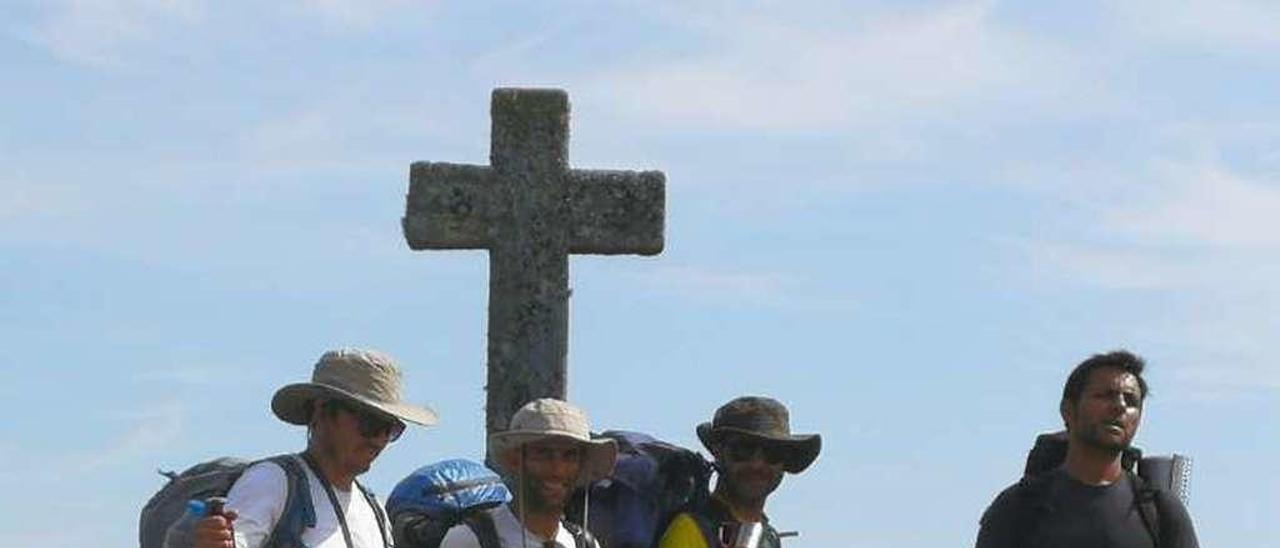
x=530, y=210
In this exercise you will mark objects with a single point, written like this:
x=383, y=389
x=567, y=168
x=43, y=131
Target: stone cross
x=530, y=210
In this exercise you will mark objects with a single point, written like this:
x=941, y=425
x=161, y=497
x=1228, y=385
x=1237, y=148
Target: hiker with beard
x=544, y=455
x=1092, y=499
x=751, y=440
x=352, y=410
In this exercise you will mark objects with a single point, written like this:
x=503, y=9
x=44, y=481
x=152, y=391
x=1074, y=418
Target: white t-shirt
x=509, y=532
x=258, y=498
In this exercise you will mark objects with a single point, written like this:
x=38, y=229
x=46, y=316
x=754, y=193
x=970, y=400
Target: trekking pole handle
x=785, y=534
x=212, y=506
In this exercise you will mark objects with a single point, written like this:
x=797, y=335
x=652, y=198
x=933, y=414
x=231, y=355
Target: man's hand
x=215, y=531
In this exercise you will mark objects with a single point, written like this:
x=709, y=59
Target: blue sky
x=907, y=220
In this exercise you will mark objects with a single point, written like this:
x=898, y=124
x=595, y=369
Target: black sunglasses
x=372, y=423
x=743, y=450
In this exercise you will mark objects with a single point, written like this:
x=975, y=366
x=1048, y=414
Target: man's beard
x=536, y=501
x=1098, y=438
x=749, y=487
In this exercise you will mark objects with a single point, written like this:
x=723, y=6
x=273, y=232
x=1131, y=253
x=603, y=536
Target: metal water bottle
x=748, y=535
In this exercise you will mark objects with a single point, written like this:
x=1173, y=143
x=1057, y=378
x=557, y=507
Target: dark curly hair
x=1117, y=359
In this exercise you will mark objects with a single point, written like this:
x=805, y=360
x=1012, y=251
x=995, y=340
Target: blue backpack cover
x=436, y=497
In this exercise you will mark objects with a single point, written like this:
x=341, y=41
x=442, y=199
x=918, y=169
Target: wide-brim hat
x=551, y=418
x=764, y=419
x=366, y=377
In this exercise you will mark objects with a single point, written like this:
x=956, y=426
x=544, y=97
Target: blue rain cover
x=447, y=489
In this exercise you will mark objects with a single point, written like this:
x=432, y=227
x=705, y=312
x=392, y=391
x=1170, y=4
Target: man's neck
x=330, y=470
x=1093, y=465
x=742, y=510
x=541, y=523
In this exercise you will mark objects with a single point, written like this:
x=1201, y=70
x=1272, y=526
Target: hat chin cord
x=524, y=528
x=586, y=505
x=524, y=533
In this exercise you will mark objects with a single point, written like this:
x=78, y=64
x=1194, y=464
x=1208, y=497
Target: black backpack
x=1154, y=480
x=652, y=481
x=1171, y=473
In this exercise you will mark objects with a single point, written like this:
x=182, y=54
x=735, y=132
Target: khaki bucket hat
x=552, y=418
x=366, y=377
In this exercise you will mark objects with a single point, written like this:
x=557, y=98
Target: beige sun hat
x=552, y=418
x=367, y=377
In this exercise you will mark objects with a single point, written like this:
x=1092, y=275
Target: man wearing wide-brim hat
x=751, y=440
x=352, y=409
x=545, y=453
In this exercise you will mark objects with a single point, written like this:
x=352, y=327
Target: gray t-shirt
x=1094, y=516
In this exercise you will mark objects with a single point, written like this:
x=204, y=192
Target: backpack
x=162, y=517
x=1171, y=473
x=482, y=526
x=428, y=502
x=652, y=481
x=1152, y=479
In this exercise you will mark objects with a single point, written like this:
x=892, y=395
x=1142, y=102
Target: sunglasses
x=742, y=451
x=372, y=423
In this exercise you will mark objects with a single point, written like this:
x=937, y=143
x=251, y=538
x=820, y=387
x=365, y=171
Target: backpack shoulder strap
x=482, y=526
x=771, y=536
x=1144, y=497
x=1032, y=504
x=709, y=516
x=582, y=538
x=710, y=530
x=378, y=513
x=299, y=511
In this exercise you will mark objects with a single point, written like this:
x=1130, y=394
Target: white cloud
x=98, y=32
x=49, y=537
x=150, y=429
x=768, y=70
x=1225, y=380
x=355, y=13
x=508, y=58
x=1180, y=223
x=744, y=288
x=734, y=286
x=147, y=429
x=1205, y=205
x=22, y=198
x=1203, y=241
x=1108, y=266
x=308, y=132
x=338, y=129
x=1204, y=24
x=190, y=375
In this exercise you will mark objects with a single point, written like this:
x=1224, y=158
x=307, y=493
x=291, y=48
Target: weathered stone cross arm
x=457, y=206
x=531, y=211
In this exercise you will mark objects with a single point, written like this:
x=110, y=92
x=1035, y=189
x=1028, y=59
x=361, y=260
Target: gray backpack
x=162, y=525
